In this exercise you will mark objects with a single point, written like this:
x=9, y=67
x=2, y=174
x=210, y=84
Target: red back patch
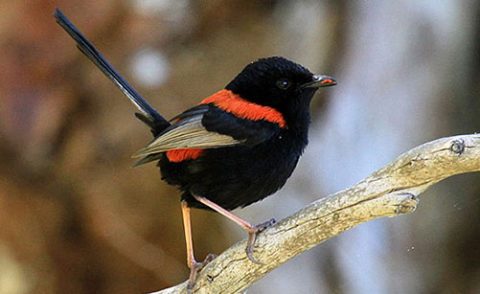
x=236, y=105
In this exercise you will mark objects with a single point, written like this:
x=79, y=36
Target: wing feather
x=207, y=127
x=187, y=132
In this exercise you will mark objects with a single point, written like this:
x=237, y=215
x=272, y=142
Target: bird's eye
x=283, y=84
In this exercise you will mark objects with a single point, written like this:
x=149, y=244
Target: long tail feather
x=147, y=114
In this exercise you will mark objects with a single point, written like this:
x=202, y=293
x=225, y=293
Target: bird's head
x=277, y=82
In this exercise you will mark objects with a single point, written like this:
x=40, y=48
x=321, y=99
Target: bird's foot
x=209, y=258
x=195, y=268
x=252, y=236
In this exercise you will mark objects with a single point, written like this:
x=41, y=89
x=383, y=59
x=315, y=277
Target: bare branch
x=390, y=191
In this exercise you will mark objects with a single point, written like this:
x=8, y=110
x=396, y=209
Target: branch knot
x=408, y=204
x=458, y=146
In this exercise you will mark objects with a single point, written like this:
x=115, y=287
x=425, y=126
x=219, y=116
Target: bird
x=235, y=147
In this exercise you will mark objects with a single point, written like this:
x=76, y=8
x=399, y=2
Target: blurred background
x=75, y=217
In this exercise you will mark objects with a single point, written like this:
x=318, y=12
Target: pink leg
x=193, y=265
x=251, y=230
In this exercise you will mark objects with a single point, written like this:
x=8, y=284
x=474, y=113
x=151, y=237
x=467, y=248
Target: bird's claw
x=209, y=258
x=261, y=227
x=252, y=236
x=195, y=268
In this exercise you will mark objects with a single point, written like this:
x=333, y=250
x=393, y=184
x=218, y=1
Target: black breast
x=236, y=176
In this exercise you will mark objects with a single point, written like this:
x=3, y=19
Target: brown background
x=75, y=217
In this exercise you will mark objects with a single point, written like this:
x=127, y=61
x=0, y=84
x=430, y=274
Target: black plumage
x=266, y=154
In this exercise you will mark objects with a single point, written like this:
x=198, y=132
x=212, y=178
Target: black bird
x=236, y=147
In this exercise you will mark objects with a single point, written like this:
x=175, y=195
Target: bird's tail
x=147, y=114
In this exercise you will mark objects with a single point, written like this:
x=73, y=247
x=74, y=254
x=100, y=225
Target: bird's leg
x=252, y=230
x=193, y=265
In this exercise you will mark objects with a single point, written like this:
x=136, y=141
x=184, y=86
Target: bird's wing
x=205, y=127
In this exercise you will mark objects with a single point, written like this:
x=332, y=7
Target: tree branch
x=390, y=191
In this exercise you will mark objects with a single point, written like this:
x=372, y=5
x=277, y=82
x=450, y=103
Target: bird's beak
x=320, y=81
